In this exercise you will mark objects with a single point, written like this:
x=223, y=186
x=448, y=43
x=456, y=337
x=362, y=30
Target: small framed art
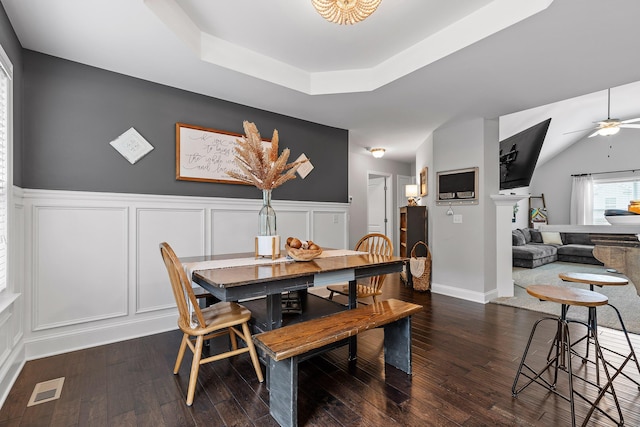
x=424, y=188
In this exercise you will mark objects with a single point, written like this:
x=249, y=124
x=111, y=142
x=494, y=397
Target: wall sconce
x=377, y=152
x=411, y=193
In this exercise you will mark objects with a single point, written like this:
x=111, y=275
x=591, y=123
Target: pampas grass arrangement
x=262, y=168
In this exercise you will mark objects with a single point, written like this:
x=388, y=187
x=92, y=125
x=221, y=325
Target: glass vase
x=267, y=216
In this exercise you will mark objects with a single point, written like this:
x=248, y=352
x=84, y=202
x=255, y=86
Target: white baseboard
x=479, y=297
x=64, y=342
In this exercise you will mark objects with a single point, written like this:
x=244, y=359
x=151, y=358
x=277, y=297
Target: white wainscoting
x=93, y=272
x=12, y=354
x=79, y=264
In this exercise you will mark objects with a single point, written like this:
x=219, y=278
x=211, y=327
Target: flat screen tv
x=459, y=187
x=519, y=155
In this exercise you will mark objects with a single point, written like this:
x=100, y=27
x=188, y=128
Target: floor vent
x=46, y=391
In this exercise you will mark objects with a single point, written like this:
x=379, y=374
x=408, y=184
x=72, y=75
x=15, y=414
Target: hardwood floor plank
x=120, y=386
x=203, y=410
x=232, y=414
x=93, y=410
x=238, y=387
x=176, y=414
x=66, y=412
x=147, y=407
x=38, y=415
x=15, y=422
x=125, y=419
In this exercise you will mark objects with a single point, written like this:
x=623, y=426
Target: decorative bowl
x=302, y=254
x=623, y=219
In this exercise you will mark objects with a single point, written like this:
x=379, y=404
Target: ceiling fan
x=611, y=126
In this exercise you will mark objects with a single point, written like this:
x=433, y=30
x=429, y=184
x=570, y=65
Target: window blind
x=4, y=190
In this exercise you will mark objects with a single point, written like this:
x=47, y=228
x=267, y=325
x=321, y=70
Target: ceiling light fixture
x=345, y=11
x=377, y=152
x=608, y=130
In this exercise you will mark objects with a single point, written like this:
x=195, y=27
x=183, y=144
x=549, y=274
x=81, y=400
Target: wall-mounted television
x=519, y=155
x=457, y=187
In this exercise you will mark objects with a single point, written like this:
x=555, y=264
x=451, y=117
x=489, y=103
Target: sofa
x=532, y=248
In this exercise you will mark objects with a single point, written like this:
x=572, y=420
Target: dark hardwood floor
x=465, y=356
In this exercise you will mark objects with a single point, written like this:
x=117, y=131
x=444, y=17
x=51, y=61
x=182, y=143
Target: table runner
x=190, y=267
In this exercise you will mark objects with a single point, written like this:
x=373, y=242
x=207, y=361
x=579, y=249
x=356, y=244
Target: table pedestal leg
x=274, y=311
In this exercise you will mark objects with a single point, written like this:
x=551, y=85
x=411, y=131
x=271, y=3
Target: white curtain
x=582, y=200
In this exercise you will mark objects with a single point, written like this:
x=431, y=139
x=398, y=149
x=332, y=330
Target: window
x=614, y=193
x=6, y=75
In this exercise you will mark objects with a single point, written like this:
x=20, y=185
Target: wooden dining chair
x=198, y=325
x=377, y=245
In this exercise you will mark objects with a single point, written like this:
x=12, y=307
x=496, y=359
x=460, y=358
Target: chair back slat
x=181, y=286
x=376, y=244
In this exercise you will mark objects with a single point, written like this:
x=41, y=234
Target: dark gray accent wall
x=11, y=45
x=72, y=112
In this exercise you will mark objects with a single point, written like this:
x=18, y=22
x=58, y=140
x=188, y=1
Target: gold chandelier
x=345, y=11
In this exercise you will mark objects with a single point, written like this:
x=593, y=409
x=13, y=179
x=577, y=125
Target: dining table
x=243, y=277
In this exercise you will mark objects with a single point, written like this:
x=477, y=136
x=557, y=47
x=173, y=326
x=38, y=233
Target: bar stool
x=601, y=280
x=561, y=358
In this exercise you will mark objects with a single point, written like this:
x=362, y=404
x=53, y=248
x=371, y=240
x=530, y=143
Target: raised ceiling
x=324, y=58
x=410, y=68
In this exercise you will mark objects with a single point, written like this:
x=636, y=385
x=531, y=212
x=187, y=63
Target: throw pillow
x=517, y=238
x=576, y=238
x=527, y=234
x=551, y=238
x=536, y=237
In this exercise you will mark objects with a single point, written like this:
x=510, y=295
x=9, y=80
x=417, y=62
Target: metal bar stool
x=603, y=280
x=559, y=358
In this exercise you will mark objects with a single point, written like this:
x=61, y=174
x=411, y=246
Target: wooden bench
x=286, y=347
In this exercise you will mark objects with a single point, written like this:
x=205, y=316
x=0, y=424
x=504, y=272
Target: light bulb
x=608, y=131
x=377, y=152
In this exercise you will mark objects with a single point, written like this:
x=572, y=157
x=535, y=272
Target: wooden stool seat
x=593, y=279
x=567, y=296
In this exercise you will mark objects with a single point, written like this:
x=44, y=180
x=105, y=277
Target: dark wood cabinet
x=413, y=228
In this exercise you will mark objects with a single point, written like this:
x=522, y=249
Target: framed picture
x=207, y=154
x=424, y=188
x=131, y=145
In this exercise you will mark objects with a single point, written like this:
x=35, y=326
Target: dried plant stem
x=265, y=170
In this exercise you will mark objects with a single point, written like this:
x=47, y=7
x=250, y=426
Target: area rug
x=624, y=298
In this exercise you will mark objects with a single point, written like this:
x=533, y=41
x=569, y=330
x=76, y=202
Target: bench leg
x=397, y=344
x=353, y=303
x=283, y=391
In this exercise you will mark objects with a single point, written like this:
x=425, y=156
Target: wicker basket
x=420, y=269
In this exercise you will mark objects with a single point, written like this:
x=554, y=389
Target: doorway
x=380, y=204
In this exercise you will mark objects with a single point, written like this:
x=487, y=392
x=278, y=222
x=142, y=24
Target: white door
x=376, y=199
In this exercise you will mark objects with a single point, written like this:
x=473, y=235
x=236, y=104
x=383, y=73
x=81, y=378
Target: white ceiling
x=410, y=68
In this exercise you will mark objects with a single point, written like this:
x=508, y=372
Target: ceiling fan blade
x=630, y=126
x=594, y=134
x=637, y=119
x=581, y=130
